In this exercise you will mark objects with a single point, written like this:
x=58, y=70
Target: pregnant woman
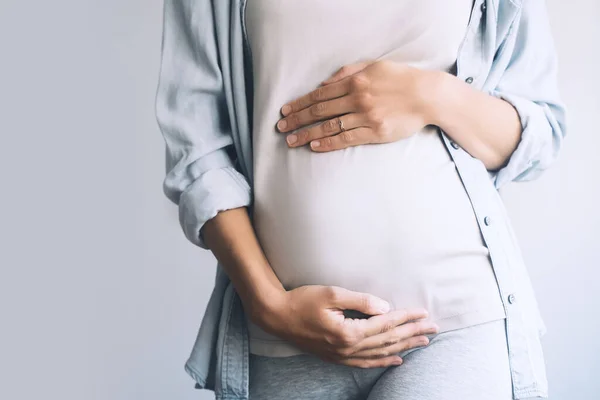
x=341, y=160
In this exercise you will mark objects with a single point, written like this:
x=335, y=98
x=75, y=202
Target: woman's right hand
x=312, y=317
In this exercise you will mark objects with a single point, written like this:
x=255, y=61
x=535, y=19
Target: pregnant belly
x=389, y=219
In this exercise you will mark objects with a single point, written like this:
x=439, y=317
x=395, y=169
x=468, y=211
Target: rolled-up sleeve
x=191, y=112
x=530, y=84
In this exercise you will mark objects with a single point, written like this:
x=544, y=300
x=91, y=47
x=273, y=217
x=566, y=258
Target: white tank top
x=389, y=219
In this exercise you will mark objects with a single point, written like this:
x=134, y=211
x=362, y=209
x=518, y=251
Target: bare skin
x=312, y=317
x=384, y=101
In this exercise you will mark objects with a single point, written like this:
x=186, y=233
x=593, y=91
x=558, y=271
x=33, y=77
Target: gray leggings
x=464, y=364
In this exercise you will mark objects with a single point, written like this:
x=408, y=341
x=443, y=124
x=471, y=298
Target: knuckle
x=383, y=353
x=413, y=329
x=327, y=142
x=318, y=109
x=379, y=124
x=330, y=340
x=318, y=94
x=330, y=125
x=399, y=333
x=375, y=118
x=295, y=105
x=303, y=136
x=384, y=63
x=332, y=293
x=293, y=120
x=383, y=132
x=416, y=342
x=422, y=327
x=364, y=101
x=387, y=326
x=346, y=339
x=347, y=136
x=358, y=82
x=344, y=352
x=344, y=70
x=403, y=315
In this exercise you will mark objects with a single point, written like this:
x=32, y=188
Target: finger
x=329, y=127
x=394, y=320
x=317, y=112
x=397, y=334
x=371, y=363
x=352, y=137
x=369, y=331
x=346, y=70
x=393, y=349
x=320, y=94
x=344, y=299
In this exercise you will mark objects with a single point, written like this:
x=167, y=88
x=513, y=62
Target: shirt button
x=511, y=298
x=454, y=144
x=487, y=221
x=469, y=80
x=483, y=7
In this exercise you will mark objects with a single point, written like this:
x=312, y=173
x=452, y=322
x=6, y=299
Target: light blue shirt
x=203, y=104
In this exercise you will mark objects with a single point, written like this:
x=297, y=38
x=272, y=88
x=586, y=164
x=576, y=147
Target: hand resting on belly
x=312, y=317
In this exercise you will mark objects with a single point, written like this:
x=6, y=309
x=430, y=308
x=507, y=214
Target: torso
x=390, y=219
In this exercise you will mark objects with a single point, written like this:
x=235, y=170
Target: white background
x=100, y=293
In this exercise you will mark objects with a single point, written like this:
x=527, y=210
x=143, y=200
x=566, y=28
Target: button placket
x=467, y=75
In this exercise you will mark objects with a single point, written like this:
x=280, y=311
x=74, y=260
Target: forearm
x=231, y=238
x=485, y=126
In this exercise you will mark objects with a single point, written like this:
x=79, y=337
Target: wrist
x=435, y=94
x=266, y=306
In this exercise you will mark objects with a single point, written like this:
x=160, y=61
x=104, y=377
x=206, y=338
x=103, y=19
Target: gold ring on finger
x=341, y=124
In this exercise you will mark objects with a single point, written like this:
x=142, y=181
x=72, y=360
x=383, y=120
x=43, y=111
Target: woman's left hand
x=376, y=101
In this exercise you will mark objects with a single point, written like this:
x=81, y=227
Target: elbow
x=495, y=161
x=551, y=143
x=542, y=139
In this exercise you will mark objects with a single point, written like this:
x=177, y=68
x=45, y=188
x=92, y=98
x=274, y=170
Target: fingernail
x=286, y=109
x=397, y=362
x=291, y=139
x=315, y=143
x=282, y=124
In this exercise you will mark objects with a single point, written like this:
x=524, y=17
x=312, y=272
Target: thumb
x=366, y=303
x=345, y=71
